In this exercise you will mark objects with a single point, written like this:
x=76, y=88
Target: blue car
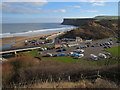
x=62, y=54
x=55, y=55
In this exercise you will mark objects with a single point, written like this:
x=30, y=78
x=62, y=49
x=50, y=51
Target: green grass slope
x=115, y=51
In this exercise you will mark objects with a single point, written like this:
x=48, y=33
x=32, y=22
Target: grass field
x=114, y=51
x=32, y=53
x=71, y=60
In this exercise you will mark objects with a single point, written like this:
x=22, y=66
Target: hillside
x=94, y=30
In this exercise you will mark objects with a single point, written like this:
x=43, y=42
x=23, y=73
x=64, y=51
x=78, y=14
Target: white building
x=78, y=39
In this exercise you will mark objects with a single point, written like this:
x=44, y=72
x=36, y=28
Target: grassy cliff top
x=106, y=17
x=98, y=17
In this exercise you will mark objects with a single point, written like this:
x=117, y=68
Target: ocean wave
x=35, y=32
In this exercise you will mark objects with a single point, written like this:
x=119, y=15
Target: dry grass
x=98, y=83
x=27, y=69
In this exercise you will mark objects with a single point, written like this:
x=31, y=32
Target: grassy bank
x=114, y=51
x=81, y=62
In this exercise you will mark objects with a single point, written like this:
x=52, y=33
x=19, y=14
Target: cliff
x=81, y=21
x=76, y=22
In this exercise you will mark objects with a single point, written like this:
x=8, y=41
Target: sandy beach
x=20, y=40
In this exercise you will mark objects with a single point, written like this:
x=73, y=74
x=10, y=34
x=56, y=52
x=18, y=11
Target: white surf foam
x=35, y=32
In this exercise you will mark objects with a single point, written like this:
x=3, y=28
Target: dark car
x=105, y=47
x=33, y=41
x=64, y=49
x=42, y=37
x=93, y=46
x=77, y=47
x=55, y=55
x=109, y=46
x=59, y=50
x=88, y=45
x=101, y=44
x=58, y=47
x=118, y=42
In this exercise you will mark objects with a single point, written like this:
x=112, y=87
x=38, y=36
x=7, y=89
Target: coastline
x=19, y=41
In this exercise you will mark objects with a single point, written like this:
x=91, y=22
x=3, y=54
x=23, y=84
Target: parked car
x=64, y=49
x=101, y=44
x=101, y=55
x=41, y=42
x=110, y=42
x=109, y=46
x=105, y=47
x=107, y=43
x=79, y=50
x=117, y=41
x=93, y=46
x=93, y=57
x=107, y=53
x=81, y=55
x=70, y=53
x=41, y=49
x=49, y=55
x=58, y=47
x=55, y=55
x=62, y=54
x=59, y=50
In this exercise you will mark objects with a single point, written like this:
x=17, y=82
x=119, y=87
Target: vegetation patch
x=32, y=53
x=81, y=62
x=114, y=51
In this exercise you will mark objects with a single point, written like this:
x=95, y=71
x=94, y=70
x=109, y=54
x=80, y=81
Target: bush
x=11, y=68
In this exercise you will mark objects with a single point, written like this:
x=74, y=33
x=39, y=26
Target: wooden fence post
x=51, y=79
x=81, y=76
x=59, y=79
x=98, y=74
x=69, y=78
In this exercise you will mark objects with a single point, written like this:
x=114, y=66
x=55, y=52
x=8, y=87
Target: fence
x=69, y=78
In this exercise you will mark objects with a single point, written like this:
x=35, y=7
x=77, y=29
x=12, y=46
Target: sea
x=28, y=29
